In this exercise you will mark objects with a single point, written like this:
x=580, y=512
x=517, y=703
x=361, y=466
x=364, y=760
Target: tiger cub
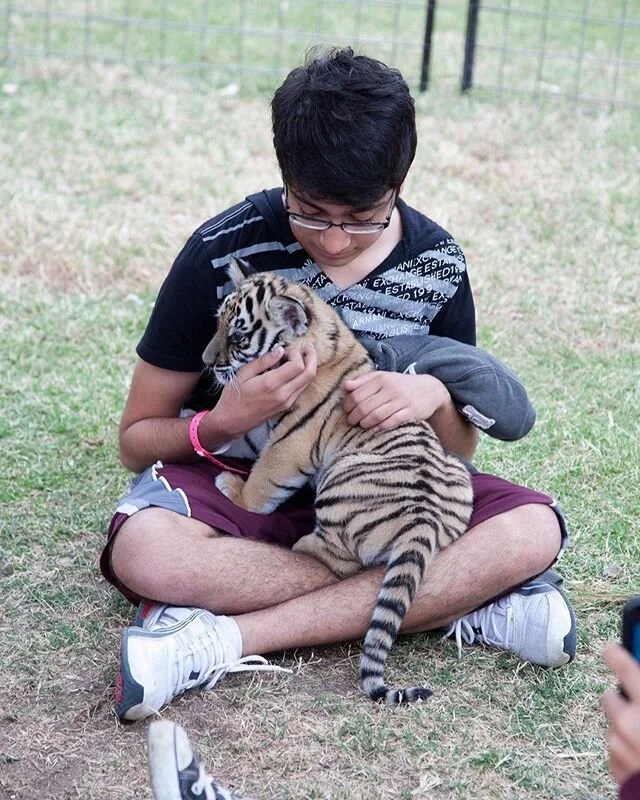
x=390, y=497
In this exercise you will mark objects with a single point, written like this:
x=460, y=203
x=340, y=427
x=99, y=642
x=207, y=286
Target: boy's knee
x=537, y=534
x=127, y=548
x=140, y=553
x=154, y=549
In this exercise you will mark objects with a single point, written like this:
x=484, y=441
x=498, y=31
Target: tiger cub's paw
x=231, y=486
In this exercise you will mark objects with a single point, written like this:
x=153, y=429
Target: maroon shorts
x=189, y=489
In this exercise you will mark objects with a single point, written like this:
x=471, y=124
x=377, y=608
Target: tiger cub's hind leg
x=340, y=561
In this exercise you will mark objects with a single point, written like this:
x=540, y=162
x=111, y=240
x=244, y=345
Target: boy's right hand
x=261, y=391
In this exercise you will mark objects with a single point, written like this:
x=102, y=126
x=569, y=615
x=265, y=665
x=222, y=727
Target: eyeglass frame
x=350, y=228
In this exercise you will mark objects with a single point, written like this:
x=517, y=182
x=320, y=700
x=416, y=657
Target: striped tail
x=404, y=574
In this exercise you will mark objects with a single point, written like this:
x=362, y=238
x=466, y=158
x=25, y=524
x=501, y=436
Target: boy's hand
x=261, y=391
x=384, y=400
x=623, y=715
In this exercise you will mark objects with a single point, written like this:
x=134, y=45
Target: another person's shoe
x=176, y=773
x=195, y=650
x=536, y=622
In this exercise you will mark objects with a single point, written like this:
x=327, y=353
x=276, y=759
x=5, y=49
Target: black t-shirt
x=421, y=287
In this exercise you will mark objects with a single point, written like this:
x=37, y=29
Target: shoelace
x=206, y=784
x=491, y=625
x=201, y=662
x=211, y=788
x=244, y=664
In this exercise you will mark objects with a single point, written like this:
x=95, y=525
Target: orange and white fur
x=391, y=497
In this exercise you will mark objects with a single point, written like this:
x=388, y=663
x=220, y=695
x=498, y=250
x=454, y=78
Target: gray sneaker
x=536, y=622
x=176, y=773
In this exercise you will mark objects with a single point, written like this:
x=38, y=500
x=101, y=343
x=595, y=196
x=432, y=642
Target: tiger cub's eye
x=237, y=338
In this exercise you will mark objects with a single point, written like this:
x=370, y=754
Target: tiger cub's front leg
x=231, y=486
x=272, y=480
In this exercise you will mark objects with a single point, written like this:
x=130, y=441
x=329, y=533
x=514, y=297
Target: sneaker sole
x=549, y=576
x=129, y=699
x=149, y=612
x=163, y=769
x=570, y=640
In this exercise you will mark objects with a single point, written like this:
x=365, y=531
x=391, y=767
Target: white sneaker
x=176, y=773
x=157, y=665
x=151, y=615
x=536, y=623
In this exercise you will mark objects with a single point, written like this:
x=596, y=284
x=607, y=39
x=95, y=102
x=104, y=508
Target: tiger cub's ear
x=290, y=313
x=238, y=270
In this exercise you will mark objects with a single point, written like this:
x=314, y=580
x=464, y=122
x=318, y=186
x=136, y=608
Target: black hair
x=344, y=128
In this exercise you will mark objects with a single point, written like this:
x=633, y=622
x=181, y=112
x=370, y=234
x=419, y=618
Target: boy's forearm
x=149, y=440
x=454, y=431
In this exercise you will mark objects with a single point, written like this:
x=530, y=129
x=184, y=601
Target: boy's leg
x=197, y=648
x=181, y=561
x=279, y=599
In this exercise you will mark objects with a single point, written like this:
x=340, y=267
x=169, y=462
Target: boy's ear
x=238, y=270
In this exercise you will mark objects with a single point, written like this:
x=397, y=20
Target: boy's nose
x=334, y=240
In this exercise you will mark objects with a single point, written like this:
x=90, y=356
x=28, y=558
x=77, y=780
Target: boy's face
x=336, y=247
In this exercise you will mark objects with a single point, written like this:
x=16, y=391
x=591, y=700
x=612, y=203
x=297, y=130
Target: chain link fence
x=586, y=51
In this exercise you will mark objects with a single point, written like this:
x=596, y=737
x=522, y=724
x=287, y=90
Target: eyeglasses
x=313, y=224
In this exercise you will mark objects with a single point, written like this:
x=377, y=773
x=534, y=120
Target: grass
x=102, y=177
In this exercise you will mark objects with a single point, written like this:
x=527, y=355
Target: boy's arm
x=455, y=432
x=151, y=428
x=482, y=388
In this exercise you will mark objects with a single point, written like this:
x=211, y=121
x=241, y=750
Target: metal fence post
x=470, y=44
x=426, y=47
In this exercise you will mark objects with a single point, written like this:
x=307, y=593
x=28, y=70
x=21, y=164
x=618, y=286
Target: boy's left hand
x=384, y=400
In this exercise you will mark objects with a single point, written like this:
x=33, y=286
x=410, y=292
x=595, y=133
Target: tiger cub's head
x=265, y=310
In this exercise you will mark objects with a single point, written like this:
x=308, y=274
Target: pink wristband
x=200, y=450
x=194, y=438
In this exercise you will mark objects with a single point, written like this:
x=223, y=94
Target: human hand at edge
x=623, y=715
